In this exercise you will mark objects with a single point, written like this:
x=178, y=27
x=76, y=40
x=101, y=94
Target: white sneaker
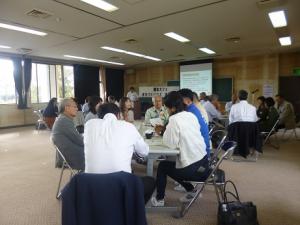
x=157, y=203
x=189, y=196
x=179, y=188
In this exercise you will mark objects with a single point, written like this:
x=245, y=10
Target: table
x=157, y=149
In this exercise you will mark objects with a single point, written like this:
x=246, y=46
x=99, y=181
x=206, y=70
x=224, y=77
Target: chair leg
x=58, y=192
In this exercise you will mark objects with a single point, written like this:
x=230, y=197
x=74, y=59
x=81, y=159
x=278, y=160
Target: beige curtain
x=102, y=83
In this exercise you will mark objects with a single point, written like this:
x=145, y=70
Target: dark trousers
x=149, y=186
x=197, y=171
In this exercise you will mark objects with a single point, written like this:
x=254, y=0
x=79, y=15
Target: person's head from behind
x=203, y=96
x=108, y=108
x=243, y=95
x=174, y=103
x=157, y=101
x=93, y=103
x=125, y=104
x=279, y=99
x=270, y=102
x=53, y=102
x=68, y=107
x=87, y=99
x=187, y=95
x=111, y=99
x=131, y=89
x=261, y=100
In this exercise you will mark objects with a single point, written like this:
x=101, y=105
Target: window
x=7, y=83
x=49, y=81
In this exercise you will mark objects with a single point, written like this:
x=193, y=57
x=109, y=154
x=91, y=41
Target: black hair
x=243, y=95
x=186, y=93
x=94, y=100
x=261, y=98
x=111, y=97
x=270, y=101
x=174, y=100
x=108, y=108
x=279, y=95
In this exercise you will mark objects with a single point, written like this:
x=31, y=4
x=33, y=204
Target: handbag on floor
x=236, y=212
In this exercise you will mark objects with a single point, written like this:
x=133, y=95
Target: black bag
x=236, y=212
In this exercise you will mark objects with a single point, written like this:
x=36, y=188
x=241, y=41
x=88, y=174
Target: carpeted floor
x=29, y=181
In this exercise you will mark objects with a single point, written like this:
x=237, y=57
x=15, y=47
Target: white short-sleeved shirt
x=242, y=112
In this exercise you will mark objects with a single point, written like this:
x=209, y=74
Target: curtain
x=115, y=82
x=102, y=83
x=18, y=80
x=27, y=79
x=86, y=82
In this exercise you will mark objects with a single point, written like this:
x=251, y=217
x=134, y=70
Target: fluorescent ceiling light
x=101, y=5
x=284, y=41
x=93, y=60
x=4, y=46
x=207, y=50
x=22, y=29
x=278, y=19
x=177, y=37
x=130, y=53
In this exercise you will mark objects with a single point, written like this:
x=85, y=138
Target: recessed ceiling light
x=207, y=50
x=93, y=60
x=4, y=46
x=284, y=41
x=101, y=5
x=130, y=53
x=22, y=29
x=177, y=37
x=278, y=19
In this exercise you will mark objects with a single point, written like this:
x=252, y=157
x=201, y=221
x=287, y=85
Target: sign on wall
x=156, y=90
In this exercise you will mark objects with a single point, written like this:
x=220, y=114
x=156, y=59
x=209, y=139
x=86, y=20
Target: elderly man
x=212, y=108
x=242, y=111
x=286, y=113
x=65, y=136
x=157, y=111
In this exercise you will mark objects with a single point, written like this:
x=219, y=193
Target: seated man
x=157, y=111
x=65, y=136
x=212, y=108
x=242, y=111
x=110, y=143
x=271, y=118
x=286, y=113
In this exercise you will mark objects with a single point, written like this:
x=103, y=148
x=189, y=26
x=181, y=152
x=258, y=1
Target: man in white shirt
x=132, y=95
x=110, y=143
x=212, y=108
x=242, y=111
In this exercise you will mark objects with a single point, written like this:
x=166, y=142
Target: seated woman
x=94, y=103
x=271, y=118
x=50, y=112
x=126, y=110
x=79, y=118
x=183, y=133
x=262, y=110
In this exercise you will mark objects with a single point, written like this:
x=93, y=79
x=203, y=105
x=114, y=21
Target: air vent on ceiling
x=130, y=41
x=39, y=13
x=24, y=50
x=233, y=39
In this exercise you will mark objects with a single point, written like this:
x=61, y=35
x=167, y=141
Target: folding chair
x=65, y=165
x=272, y=132
x=293, y=131
x=40, y=121
x=217, y=138
x=213, y=178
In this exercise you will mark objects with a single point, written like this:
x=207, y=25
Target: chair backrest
x=228, y=148
x=219, y=137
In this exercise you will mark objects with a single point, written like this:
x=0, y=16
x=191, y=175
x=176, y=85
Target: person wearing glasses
x=65, y=136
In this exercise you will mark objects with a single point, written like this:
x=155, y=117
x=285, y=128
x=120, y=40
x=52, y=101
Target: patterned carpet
x=29, y=179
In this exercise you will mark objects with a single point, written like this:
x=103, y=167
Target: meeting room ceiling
x=228, y=27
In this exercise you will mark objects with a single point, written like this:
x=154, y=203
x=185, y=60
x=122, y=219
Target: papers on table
x=156, y=121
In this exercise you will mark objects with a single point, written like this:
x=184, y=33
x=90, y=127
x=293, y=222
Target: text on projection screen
x=197, y=77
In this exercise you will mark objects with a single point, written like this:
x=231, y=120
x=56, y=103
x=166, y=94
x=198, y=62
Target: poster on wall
x=268, y=90
x=149, y=92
